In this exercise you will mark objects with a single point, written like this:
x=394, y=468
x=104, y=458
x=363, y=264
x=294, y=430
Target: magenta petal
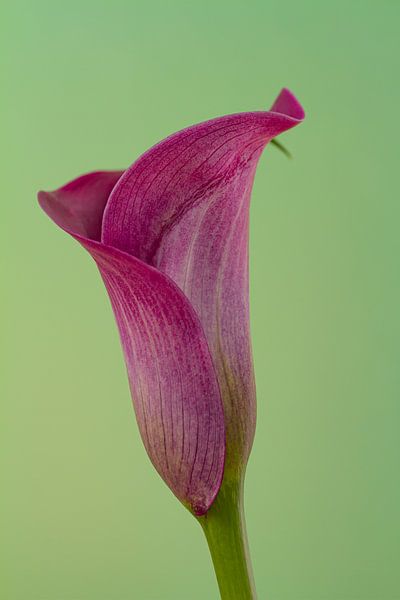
x=172, y=378
x=183, y=207
x=78, y=206
x=287, y=104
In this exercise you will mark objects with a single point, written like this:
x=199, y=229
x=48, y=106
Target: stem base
x=225, y=531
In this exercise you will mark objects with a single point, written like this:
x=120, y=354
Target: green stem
x=225, y=530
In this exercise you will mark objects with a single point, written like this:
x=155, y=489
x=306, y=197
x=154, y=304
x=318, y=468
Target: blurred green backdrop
x=91, y=85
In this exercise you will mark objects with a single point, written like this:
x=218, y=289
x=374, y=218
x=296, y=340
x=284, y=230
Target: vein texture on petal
x=170, y=238
x=183, y=207
x=172, y=378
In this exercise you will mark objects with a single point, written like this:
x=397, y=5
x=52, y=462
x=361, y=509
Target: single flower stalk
x=170, y=238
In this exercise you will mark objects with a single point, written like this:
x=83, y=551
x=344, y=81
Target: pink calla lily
x=170, y=238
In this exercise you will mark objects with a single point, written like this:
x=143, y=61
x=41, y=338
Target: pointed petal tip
x=54, y=209
x=287, y=104
x=78, y=206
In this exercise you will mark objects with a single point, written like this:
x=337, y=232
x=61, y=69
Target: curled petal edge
x=183, y=207
x=174, y=388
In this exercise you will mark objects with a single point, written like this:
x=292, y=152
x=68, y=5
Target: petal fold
x=183, y=207
x=172, y=378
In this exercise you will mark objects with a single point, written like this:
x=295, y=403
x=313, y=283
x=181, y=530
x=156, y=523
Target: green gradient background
x=92, y=85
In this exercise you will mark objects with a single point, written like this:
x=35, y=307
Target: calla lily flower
x=170, y=238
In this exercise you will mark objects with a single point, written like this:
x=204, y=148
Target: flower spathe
x=170, y=238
